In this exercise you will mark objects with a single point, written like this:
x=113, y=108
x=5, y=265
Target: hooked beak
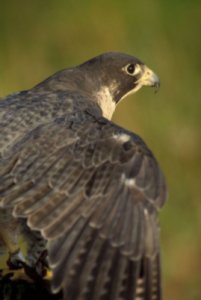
x=149, y=78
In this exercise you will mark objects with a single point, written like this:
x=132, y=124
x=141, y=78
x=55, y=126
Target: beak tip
x=149, y=78
x=157, y=84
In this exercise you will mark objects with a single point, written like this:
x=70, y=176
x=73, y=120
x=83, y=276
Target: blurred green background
x=39, y=37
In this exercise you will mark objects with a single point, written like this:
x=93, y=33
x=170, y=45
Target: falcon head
x=105, y=79
x=112, y=76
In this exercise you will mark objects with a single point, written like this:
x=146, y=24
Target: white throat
x=106, y=102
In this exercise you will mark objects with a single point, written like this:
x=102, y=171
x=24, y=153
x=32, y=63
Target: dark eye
x=131, y=68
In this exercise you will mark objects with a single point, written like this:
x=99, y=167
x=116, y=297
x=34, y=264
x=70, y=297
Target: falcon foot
x=27, y=282
x=19, y=268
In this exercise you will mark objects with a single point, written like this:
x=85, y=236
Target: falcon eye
x=130, y=69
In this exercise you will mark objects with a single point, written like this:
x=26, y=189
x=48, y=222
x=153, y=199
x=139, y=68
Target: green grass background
x=40, y=37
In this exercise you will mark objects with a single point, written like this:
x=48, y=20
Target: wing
x=93, y=190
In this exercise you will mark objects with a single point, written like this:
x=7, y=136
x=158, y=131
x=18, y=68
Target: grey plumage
x=91, y=188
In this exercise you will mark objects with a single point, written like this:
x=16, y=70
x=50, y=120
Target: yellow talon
x=48, y=275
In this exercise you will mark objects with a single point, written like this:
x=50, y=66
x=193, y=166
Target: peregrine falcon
x=78, y=185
